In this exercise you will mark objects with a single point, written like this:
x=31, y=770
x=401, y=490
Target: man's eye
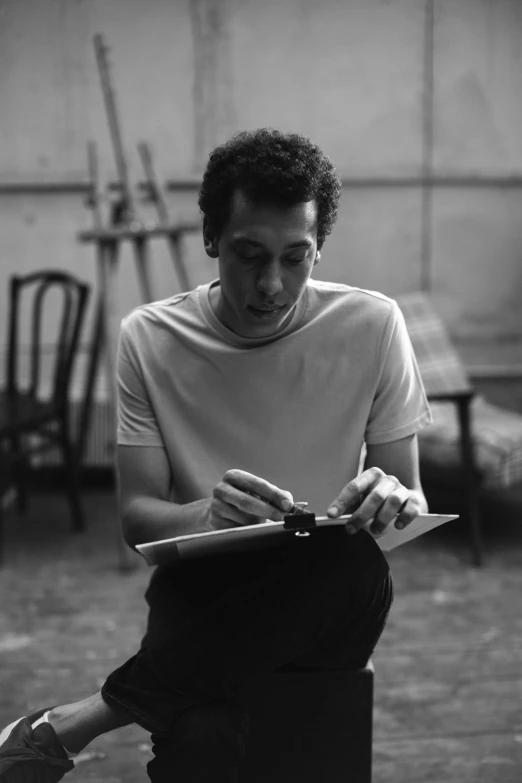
x=296, y=260
x=248, y=255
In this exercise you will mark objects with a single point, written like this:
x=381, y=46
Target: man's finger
x=258, y=487
x=388, y=511
x=372, y=504
x=247, y=503
x=236, y=517
x=408, y=512
x=353, y=493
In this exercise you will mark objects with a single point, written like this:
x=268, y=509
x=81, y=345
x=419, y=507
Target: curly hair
x=270, y=166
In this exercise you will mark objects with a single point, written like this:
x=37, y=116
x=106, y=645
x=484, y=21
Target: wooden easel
x=107, y=236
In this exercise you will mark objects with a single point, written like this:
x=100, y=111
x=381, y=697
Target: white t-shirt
x=295, y=409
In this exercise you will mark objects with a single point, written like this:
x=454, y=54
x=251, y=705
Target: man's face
x=266, y=256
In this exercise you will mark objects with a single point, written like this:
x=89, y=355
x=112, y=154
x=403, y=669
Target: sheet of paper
x=393, y=538
x=259, y=536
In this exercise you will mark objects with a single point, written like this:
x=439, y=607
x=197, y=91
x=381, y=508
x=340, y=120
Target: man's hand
x=241, y=498
x=375, y=495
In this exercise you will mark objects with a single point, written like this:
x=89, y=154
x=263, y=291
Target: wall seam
x=427, y=148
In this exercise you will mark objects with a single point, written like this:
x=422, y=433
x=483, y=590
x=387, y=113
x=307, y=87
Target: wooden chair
x=309, y=726
x=31, y=423
x=471, y=444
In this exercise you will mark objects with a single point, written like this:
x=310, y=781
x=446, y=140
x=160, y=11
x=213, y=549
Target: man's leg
x=215, y=622
x=78, y=723
x=206, y=746
x=321, y=602
x=347, y=646
x=350, y=644
x=215, y=733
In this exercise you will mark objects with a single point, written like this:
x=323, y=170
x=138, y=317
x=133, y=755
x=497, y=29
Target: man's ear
x=210, y=241
x=317, y=257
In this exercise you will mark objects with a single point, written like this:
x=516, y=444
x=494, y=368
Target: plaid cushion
x=496, y=432
x=497, y=438
x=440, y=366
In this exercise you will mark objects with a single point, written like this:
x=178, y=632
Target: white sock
x=45, y=719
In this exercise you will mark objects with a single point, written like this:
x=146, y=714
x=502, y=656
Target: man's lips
x=265, y=313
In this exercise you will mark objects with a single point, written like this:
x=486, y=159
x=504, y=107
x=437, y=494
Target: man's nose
x=269, y=281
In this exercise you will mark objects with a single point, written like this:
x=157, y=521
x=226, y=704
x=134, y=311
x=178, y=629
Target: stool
x=309, y=726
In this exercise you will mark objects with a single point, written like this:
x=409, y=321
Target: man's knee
x=374, y=576
x=353, y=554
x=365, y=573
x=372, y=557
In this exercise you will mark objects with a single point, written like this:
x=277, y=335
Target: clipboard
x=168, y=551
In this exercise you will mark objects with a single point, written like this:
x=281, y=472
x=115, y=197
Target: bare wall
x=352, y=75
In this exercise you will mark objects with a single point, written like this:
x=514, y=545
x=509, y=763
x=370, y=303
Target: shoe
x=30, y=755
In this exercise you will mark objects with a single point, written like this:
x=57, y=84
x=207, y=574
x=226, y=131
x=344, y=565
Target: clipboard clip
x=299, y=520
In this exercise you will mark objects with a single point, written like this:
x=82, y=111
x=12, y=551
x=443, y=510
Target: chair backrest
x=74, y=298
x=440, y=366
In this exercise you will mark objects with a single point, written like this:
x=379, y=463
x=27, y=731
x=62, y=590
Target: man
x=236, y=399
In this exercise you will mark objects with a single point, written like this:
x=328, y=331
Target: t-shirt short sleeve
x=137, y=423
x=400, y=407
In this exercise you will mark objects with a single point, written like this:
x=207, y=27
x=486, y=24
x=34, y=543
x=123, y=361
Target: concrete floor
x=448, y=683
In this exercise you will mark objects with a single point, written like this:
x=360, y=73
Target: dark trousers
x=318, y=602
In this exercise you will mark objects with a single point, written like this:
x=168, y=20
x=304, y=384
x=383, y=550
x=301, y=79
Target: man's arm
x=389, y=488
x=147, y=514
x=400, y=458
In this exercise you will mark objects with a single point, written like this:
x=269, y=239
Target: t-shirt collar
x=247, y=342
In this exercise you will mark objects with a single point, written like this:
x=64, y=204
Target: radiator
x=99, y=445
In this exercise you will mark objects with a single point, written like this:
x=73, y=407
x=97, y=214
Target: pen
x=297, y=508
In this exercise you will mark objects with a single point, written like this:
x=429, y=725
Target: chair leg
x=20, y=476
x=2, y=540
x=72, y=468
x=22, y=503
x=471, y=482
x=475, y=524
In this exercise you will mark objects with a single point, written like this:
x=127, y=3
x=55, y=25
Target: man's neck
x=213, y=297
